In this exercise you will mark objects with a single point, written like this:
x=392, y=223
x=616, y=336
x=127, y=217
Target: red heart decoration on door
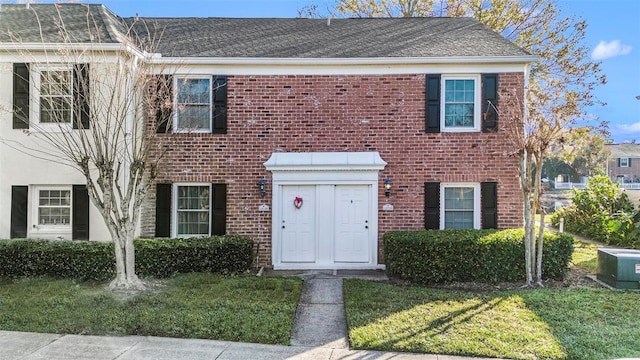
x=297, y=202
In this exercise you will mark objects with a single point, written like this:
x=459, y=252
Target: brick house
x=315, y=137
x=623, y=164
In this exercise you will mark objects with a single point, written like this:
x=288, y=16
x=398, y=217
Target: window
x=193, y=104
x=193, y=203
x=54, y=101
x=460, y=108
x=624, y=162
x=460, y=206
x=54, y=207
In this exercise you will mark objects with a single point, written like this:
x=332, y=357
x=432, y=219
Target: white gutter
x=341, y=61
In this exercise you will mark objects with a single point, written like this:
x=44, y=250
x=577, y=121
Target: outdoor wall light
x=387, y=187
x=262, y=183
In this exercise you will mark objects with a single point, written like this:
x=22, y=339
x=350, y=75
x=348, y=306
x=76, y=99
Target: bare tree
x=95, y=100
x=534, y=124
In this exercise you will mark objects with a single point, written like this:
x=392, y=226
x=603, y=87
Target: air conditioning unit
x=619, y=268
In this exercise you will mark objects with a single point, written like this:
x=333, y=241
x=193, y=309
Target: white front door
x=328, y=227
x=351, y=240
x=298, y=224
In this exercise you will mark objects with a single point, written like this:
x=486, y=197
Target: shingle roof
x=40, y=23
x=267, y=37
x=341, y=38
x=623, y=150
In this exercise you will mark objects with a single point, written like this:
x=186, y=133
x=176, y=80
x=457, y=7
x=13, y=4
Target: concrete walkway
x=320, y=319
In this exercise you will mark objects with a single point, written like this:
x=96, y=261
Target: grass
x=583, y=323
x=585, y=256
x=579, y=323
x=248, y=309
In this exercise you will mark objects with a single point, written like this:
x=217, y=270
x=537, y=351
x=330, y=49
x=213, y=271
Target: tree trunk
x=540, y=247
x=526, y=194
x=126, y=277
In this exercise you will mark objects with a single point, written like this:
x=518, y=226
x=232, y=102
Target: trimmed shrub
x=96, y=261
x=216, y=254
x=440, y=256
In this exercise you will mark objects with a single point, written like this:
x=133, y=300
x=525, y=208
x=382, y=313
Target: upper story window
x=193, y=104
x=49, y=97
x=624, y=162
x=197, y=103
x=461, y=103
x=52, y=87
x=460, y=106
x=55, y=95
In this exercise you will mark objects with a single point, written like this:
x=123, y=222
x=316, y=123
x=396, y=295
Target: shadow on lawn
x=409, y=319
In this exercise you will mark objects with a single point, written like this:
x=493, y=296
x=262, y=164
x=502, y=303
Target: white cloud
x=629, y=128
x=606, y=50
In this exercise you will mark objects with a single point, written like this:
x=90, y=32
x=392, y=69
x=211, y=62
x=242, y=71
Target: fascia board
x=345, y=61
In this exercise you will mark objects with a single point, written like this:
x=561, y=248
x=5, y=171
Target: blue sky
x=613, y=35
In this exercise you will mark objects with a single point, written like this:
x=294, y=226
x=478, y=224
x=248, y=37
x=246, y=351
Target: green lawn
x=579, y=323
x=248, y=309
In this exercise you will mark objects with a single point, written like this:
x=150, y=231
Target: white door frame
x=360, y=168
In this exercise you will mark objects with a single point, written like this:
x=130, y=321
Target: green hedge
x=96, y=260
x=439, y=256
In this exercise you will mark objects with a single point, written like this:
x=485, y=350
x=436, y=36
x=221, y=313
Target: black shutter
x=618, y=162
x=19, y=199
x=80, y=210
x=81, y=96
x=163, y=210
x=219, y=215
x=432, y=111
x=164, y=104
x=489, y=102
x=489, y=205
x=20, y=96
x=629, y=162
x=219, y=105
x=432, y=205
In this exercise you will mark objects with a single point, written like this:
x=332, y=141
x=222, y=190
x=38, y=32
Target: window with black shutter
x=489, y=205
x=19, y=206
x=432, y=205
x=80, y=213
x=432, y=111
x=489, y=102
x=20, y=96
x=219, y=216
x=163, y=210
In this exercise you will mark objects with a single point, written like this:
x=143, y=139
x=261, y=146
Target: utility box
x=619, y=268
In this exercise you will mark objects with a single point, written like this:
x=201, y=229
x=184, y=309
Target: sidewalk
x=32, y=346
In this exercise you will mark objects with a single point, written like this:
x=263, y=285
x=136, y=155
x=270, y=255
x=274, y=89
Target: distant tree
x=101, y=128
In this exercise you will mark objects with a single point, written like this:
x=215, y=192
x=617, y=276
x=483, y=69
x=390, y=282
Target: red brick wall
x=383, y=113
x=630, y=173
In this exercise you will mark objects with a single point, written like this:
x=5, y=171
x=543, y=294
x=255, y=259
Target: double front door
x=325, y=226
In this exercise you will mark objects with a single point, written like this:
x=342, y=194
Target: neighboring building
x=325, y=112
x=623, y=165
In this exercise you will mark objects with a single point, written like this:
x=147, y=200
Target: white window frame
x=174, y=212
x=176, y=88
x=476, y=202
x=477, y=102
x=34, y=88
x=49, y=229
x=626, y=163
